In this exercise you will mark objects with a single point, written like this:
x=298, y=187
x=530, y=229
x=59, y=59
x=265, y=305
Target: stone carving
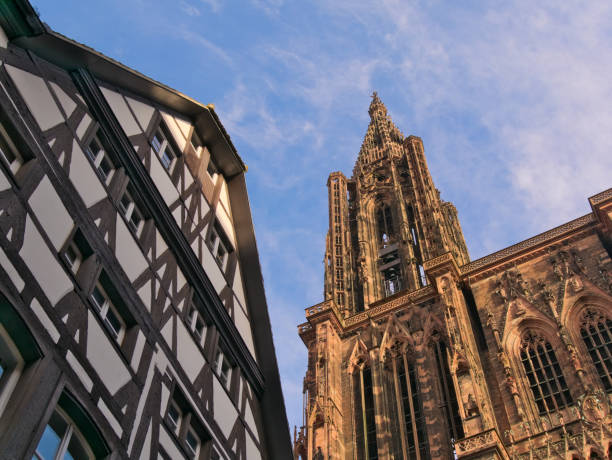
x=470, y=406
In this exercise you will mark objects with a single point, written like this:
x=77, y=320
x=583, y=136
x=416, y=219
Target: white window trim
x=103, y=310
x=17, y=161
x=129, y=212
x=74, y=266
x=11, y=358
x=190, y=450
x=193, y=316
x=220, y=359
x=71, y=430
x=161, y=133
x=176, y=426
x=98, y=158
x=216, y=242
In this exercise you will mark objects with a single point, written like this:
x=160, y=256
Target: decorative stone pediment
x=396, y=339
x=360, y=356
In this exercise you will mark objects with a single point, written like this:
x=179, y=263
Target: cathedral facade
x=419, y=353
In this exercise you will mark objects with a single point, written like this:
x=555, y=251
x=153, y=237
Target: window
x=174, y=417
x=101, y=161
x=196, y=324
x=62, y=440
x=75, y=251
x=70, y=435
x=131, y=212
x=196, y=143
x=182, y=421
x=449, y=397
x=596, y=332
x=365, y=426
x=107, y=312
x=219, y=246
x=73, y=257
x=192, y=441
x=223, y=368
x=546, y=379
x=385, y=224
x=163, y=148
x=8, y=151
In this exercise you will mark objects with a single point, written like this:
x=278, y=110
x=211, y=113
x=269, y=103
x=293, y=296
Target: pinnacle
x=376, y=105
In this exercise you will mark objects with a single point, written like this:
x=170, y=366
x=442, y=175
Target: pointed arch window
x=409, y=408
x=546, y=380
x=385, y=223
x=365, y=426
x=596, y=332
x=449, y=397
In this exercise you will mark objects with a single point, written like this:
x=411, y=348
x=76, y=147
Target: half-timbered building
x=133, y=321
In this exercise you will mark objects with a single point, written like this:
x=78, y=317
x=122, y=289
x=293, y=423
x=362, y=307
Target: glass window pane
x=113, y=322
x=76, y=449
x=157, y=140
x=98, y=298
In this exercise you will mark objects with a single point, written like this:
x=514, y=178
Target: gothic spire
x=376, y=106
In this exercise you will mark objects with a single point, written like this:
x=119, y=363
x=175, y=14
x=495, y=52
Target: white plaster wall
x=66, y=102
x=84, y=178
x=224, y=196
x=103, y=357
x=225, y=412
x=138, y=348
x=110, y=418
x=244, y=327
x=37, y=97
x=162, y=181
x=238, y=287
x=212, y=269
x=83, y=125
x=188, y=354
x=79, y=371
x=226, y=223
x=11, y=271
x=252, y=451
x=143, y=112
x=51, y=213
x=128, y=253
x=121, y=111
x=176, y=133
x=4, y=183
x=45, y=320
x=184, y=125
x=166, y=441
x=43, y=265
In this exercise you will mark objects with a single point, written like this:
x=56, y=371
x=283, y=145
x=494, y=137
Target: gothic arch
x=590, y=312
x=359, y=358
x=396, y=338
x=536, y=327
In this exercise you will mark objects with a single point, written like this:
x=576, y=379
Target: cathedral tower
x=419, y=353
x=385, y=220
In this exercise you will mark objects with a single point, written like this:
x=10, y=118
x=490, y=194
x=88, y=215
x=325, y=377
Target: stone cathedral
x=419, y=353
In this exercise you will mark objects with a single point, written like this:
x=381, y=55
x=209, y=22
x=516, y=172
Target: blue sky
x=511, y=98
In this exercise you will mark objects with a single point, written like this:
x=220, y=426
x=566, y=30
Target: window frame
x=132, y=209
x=7, y=144
x=102, y=312
x=99, y=157
x=162, y=148
x=223, y=367
x=217, y=239
x=66, y=438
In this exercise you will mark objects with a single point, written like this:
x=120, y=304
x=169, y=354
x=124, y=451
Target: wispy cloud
x=215, y=5
x=189, y=9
